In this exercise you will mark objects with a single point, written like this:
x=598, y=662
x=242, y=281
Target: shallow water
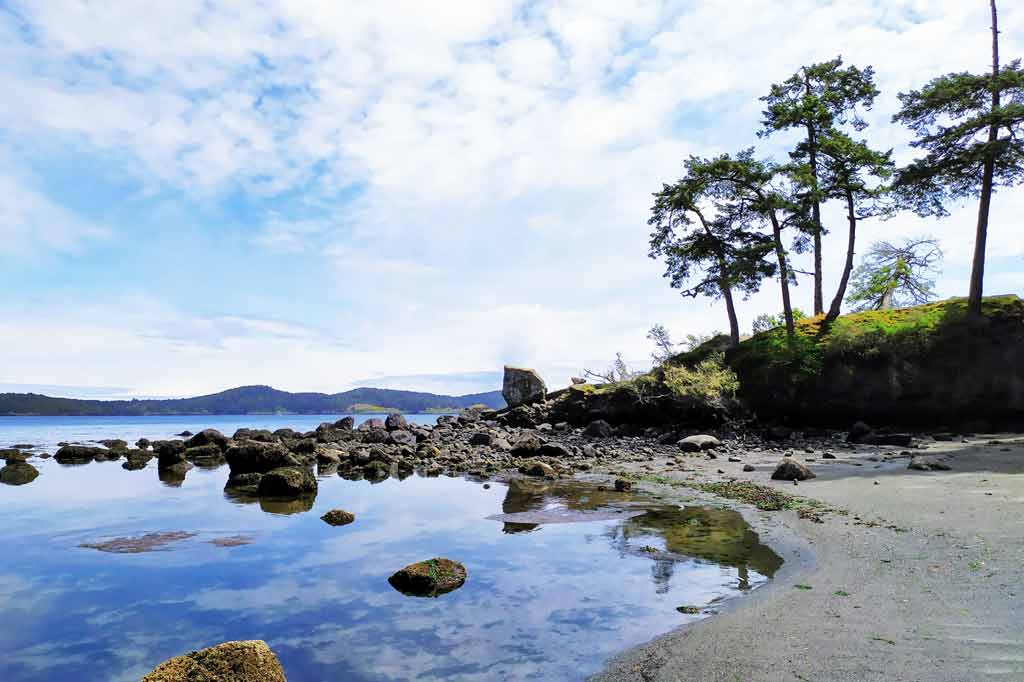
x=46, y=432
x=561, y=575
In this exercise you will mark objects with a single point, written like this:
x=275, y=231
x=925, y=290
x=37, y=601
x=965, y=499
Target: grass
x=899, y=331
x=805, y=588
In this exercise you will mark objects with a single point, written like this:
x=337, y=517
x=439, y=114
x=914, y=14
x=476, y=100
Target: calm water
x=545, y=599
x=46, y=432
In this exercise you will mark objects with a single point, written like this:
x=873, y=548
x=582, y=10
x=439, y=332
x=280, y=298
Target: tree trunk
x=981, y=233
x=730, y=307
x=812, y=147
x=780, y=253
x=837, y=302
x=886, y=303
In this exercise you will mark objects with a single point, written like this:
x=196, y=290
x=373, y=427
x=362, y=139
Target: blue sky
x=318, y=195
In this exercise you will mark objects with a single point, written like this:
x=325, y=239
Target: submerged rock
x=522, y=386
x=338, y=517
x=791, y=470
x=250, y=661
x=18, y=473
x=430, y=578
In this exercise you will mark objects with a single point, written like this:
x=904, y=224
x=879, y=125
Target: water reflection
x=664, y=533
x=551, y=604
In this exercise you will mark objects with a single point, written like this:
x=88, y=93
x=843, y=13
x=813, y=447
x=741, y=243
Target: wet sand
x=940, y=598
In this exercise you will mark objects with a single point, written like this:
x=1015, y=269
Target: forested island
x=251, y=400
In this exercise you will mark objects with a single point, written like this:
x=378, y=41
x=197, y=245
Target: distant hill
x=249, y=400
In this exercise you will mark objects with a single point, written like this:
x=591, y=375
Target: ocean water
x=562, y=575
x=46, y=432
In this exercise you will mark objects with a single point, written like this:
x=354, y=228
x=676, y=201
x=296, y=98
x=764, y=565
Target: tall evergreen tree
x=972, y=130
x=708, y=248
x=855, y=174
x=815, y=100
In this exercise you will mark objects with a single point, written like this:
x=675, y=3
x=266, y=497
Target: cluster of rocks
x=285, y=463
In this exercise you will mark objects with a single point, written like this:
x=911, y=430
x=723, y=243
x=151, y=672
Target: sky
x=318, y=195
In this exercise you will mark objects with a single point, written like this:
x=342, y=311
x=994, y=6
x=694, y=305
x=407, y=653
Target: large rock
x=372, y=424
x=338, y=517
x=208, y=437
x=169, y=452
x=539, y=469
x=598, y=428
x=287, y=482
x=18, y=473
x=791, y=470
x=396, y=422
x=698, y=443
x=78, y=454
x=257, y=457
x=251, y=661
x=402, y=437
x=429, y=578
x=345, y=423
x=522, y=386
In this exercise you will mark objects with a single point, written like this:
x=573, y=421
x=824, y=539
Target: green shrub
x=709, y=381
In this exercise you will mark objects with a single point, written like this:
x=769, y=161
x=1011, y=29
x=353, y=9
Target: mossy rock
x=338, y=517
x=430, y=578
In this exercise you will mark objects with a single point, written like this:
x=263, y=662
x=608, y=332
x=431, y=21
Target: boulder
x=244, y=483
x=208, y=437
x=402, y=437
x=921, y=463
x=396, y=422
x=526, y=445
x=522, y=386
x=598, y=429
x=18, y=473
x=169, y=452
x=373, y=424
x=287, y=482
x=791, y=470
x=338, y=517
x=257, y=457
x=481, y=438
x=556, y=450
x=698, y=443
x=622, y=485
x=78, y=454
x=142, y=444
x=250, y=661
x=114, y=444
x=345, y=424
x=430, y=578
x=258, y=435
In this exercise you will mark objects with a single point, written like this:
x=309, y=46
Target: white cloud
x=505, y=154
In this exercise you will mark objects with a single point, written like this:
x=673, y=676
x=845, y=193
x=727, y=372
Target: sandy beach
x=916, y=577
